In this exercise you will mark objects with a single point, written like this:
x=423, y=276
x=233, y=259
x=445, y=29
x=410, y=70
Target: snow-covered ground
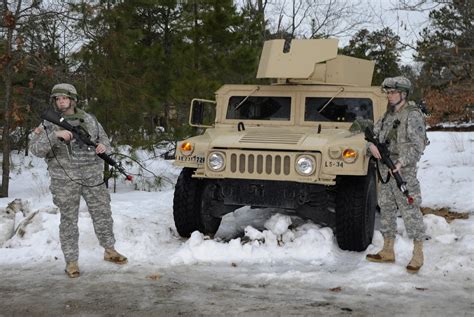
x=305, y=253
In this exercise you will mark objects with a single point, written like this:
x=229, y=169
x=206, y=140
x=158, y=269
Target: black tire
x=210, y=201
x=187, y=203
x=192, y=204
x=356, y=203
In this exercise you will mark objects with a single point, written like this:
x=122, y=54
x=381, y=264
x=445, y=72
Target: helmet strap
x=397, y=103
x=402, y=99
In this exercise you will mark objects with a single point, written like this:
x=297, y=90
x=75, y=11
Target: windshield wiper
x=242, y=102
x=327, y=103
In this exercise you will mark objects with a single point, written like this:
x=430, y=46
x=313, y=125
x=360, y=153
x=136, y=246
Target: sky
x=405, y=23
x=144, y=227
x=373, y=15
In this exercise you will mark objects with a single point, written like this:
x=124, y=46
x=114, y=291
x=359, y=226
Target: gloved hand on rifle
x=375, y=153
x=68, y=136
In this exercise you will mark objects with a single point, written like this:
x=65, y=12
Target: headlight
x=186, y=148
x=305, y=165
x=216, y=161
x=349, y=155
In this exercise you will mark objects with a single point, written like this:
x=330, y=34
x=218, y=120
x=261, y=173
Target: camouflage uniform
x=75, y=169
x=405, y=132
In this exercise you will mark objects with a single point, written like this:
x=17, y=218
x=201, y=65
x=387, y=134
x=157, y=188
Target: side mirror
x=202, y=113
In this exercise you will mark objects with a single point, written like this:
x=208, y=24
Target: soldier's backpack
x=412, y=106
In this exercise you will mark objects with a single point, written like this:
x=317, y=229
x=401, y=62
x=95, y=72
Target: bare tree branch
x=420, y=5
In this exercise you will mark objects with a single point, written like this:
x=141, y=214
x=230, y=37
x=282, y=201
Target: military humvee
x=290, y=145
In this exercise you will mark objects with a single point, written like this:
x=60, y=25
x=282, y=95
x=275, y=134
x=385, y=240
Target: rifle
x=385, y=154
x=82, y=136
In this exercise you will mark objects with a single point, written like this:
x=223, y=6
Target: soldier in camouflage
x=76, y=171
x=403, y=128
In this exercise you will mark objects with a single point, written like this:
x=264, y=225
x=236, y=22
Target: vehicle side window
x=338, y=109
x=259, y=108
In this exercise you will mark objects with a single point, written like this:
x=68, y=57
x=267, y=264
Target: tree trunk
x=6, y=148
x=261, y=19
x=167, y=45
x=27, y=143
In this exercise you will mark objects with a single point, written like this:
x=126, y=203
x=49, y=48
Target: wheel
x=356, y=203
x=193, y=202
x=187, y=203
x=209, y=202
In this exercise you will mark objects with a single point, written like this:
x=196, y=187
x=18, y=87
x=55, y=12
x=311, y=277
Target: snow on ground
x=145, y=230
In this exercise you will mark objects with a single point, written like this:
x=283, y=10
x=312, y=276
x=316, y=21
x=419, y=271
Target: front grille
x=260, y=164
x=264, y=165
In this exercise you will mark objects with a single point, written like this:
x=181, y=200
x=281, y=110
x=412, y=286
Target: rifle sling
x=380, y=175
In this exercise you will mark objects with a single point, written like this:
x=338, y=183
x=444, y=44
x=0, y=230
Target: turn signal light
x=349, y=155
x=186, y=148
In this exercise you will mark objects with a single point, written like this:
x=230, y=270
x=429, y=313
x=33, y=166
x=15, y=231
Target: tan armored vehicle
x=289, y=145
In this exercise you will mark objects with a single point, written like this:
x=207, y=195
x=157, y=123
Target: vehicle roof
x=294, y=87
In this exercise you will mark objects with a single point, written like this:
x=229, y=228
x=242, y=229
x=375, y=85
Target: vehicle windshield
x=339, y=109
x=259, y=108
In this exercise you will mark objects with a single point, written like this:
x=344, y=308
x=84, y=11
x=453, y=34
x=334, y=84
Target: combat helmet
x=67, y=90
x=399, y=83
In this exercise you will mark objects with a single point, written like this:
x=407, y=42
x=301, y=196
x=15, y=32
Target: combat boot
x=72, y=269
x=417, y=260
x=386, y=255
x=112, y=255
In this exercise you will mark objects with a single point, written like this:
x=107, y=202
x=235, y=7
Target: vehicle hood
x=280, y=139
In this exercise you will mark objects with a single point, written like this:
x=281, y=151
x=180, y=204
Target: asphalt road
x=199, y=290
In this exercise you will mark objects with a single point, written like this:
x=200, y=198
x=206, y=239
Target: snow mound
x=306, y=243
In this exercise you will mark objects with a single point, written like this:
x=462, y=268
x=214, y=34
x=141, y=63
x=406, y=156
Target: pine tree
x=448, y=57
x=446, y=45
x=381, y=46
